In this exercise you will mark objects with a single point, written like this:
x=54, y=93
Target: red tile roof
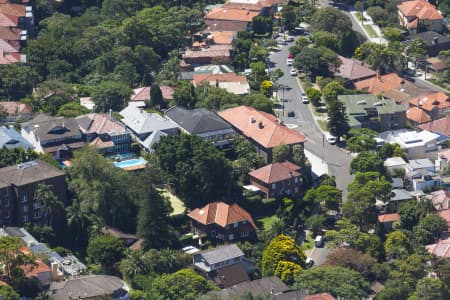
x=421, y=9
x=276, y=172
x=221, y=214
x=9, y=34
x=223, y=25
x=353, y=69
x=14, y=108
x=445, y=214
x=143, y=93
x=33, y=271
x=441, y=248
x=417, y=115
x=8, y=20
x=17, y=10
x=211, y=51
x=232, y=14
x=321, y=296
x=380, y=84
x=431, y=100
x=223, y=37
x=441, y=126
x=226, y=77
x=265, y=129
x=388, y=218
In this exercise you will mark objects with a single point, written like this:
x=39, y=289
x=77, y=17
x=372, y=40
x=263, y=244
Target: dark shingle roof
x=29, y=172
x=428, y=37
x=221, y=254
x=196, y=121
x=49, y=128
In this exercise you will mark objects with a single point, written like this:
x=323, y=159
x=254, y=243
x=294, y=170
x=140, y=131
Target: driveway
x=338, y=160
x=318, y=255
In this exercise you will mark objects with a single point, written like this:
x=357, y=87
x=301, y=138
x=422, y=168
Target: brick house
x=412, y=14
x=435, y=104
x=18, y=185
x=277, y=179
x=222, y=222
x=263, y=130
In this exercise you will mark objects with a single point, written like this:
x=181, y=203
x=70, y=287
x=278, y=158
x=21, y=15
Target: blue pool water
x=130, y=162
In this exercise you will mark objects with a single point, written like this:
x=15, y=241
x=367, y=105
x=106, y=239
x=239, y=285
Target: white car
x=190, y=250
x=305, y=100
x=289, y=61
x=290, y=38
x=293, y=72
x=281, y=42
x=330, y=138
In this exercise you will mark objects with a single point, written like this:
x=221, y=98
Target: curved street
x=338, y=160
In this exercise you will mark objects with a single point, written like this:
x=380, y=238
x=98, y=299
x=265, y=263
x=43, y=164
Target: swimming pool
x=130, y=163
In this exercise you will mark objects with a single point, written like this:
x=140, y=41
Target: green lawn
x=175, y=202
x=308, y=243
x=267, y=221
x=322, y=124
x=370, y=31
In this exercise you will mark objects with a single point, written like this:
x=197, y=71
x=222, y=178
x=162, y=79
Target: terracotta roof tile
x=14, y=108
x=417, y=115
x=8, y=20
x=232, y=14
x=276, y=172
x=445, y=214
x=353, y=69
x=9, y=33
x=211, y=51
x=33, y=271
x=440, y=199
x=224, y=25
x=421, y=9
x=441, y=126
x=261, y=127
x=431, y=100
x=388, y=218
x=143, y=93
x=226, y=77
x=17, y=10
x=321, y=296
x=221, y=214
x=223, y=37
x=99, y=124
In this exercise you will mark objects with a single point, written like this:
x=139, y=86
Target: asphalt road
x=338, y=160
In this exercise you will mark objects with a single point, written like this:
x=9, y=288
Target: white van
x=318, y=241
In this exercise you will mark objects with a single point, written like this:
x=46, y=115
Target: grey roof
x=423, y=163
x=28, y=172
x=428, y=37
x=400, y=195
x=85, y=287
x=261, y=287
x=48, y=128
x=222, y=253
x=10, y=139
x=196, y=121
x=153, y=139
x=142, y=122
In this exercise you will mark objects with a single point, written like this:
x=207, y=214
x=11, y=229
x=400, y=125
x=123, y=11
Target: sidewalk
x=318, y=166
x=368, y=22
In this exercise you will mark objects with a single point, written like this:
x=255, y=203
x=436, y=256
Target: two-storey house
x=219, y=221
x=278, y=179
x=18, y=186
x=414, y=14
x=105, y=133
x=262, y=129
x=204, y=123
x=55, y=135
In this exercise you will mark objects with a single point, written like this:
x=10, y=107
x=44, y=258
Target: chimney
x=110, y=113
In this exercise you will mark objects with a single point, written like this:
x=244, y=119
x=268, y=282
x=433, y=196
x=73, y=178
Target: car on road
x=318, y=241
x=305, y=100
x=293, y=72
x=281, y=42
x=290, y=55
x=290, y=38
x=330, y=138
x=309, y=262
x=291, y=114
x=289, y=61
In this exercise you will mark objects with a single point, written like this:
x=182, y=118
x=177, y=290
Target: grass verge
x=175, y=202
x=267, y=221
x=322, y=124
x=308, y=243
x=370, y=31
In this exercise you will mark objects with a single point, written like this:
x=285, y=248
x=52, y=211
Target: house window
x=296, y=179
x=6, y=203
x=245, y=234
x=231, y=237
x=235, y=225
x=37, y=214
x=296, y=190
x=25, y=209
x=25, y=218
x=274, y=185
x=24, y=199
x=244, y=222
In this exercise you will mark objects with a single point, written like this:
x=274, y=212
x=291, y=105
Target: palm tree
x=135, y=262
x=50, y=205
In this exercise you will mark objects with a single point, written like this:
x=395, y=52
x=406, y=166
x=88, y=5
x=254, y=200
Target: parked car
x=318, y=241
x=293, y=72
x=290, y=38
x=330, y=138
x=190, y=250
x=305, y=100
x=289, y=61
x=309, y=262
x=291, y=114
x=290, y=55
x=281, y=42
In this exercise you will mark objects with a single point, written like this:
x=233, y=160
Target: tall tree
x=156, y=97
x=105, y=250
x=12, y=258
x=416, y=50
x=337, y=119
x=50, y=204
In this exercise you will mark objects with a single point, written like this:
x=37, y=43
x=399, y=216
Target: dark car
x=291, y=114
